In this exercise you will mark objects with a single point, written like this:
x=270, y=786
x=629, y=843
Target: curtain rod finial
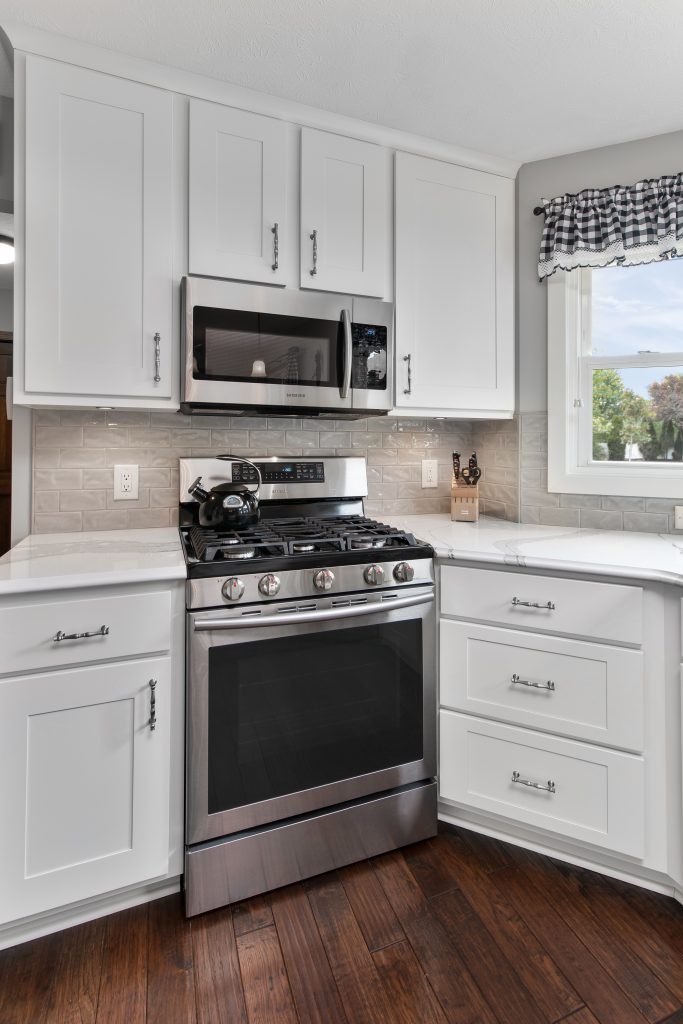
x=538, y=210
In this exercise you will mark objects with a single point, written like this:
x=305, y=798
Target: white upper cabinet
x=238, y=175
x=454, y=289
x=344, y=214
x=98, y=238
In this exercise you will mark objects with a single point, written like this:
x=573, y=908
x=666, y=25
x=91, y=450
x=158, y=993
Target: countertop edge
x=167, y=574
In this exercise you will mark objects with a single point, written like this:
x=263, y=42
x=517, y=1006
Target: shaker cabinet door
x=238, y=171
x=344, y=214
x=84, y=786
x=99, y=223
x=454, y=289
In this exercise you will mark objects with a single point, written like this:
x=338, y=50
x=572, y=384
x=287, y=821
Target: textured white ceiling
x=523, y=79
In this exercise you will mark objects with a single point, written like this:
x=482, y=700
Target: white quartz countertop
x=59, y=561
x=646, y=556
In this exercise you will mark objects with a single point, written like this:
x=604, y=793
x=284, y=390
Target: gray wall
x=544, y=179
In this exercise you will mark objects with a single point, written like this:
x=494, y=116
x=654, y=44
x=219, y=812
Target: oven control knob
x=269, y=585
x=233, y=589
x=374, y=575
x=403, y=572
x=323, y=579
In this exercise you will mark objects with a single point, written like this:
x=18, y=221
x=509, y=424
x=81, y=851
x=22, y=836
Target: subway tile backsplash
x=74, y=453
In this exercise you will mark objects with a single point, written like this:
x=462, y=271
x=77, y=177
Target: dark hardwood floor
x=457, y=929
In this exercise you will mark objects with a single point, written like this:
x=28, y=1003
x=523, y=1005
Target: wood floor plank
x=488, y=965
x=596, y=987
x=217, y=980
x=540, y=974
x=76, y=975
x=407, y=987
x=460, y=997
x=643, y=987
x=675, y=1018
x=251, y=914
x=123, y=985
x=492, y=854
x=266, y=988
x=170, y=987
x=582, y=1016
x=434, y=874
x=26, y=974
x=372, y=910
x=357, y=979
x=315, y=993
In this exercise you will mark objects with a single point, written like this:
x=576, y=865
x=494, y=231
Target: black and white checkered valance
x=638, y=223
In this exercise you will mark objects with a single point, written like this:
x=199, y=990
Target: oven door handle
x=294, y=618
x=348, y=353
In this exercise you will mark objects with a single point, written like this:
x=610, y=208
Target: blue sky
x=637, y=308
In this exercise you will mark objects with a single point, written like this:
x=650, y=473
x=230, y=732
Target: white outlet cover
x=430, y=470
x=678, y=517
x=125, y=483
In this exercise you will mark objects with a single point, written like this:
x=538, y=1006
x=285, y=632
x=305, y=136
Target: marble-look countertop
x=60, y=561
x=642, y=556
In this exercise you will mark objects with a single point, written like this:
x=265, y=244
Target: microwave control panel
x=283, y=472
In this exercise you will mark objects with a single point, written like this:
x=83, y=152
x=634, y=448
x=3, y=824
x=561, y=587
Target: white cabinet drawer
x=586, y=691
x=598, y=794
x=604, y=611
x=137, y=624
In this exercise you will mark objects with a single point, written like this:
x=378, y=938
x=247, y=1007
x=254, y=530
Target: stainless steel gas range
x=311, y=712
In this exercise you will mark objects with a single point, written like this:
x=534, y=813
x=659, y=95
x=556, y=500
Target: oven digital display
x=290, y=472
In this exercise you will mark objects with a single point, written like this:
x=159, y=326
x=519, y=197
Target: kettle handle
x=197, y=491
x=239, y=458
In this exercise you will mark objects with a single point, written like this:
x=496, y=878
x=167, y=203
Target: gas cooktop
x=311, y=536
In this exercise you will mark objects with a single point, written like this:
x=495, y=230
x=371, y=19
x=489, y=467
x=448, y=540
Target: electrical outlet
x=429, y=473
x=678, y=517
x=125, y=483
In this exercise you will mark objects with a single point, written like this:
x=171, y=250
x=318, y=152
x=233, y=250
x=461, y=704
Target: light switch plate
x=429, y=472
x=678, y=517
x=125, y=483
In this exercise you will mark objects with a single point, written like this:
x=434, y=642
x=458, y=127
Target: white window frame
x=571, y=468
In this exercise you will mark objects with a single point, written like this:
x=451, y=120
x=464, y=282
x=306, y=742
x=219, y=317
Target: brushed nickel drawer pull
x=548, y=788
x=409, y=389
x=550, y=685
x=548, y=606
x=60, y=635
x=152, y=705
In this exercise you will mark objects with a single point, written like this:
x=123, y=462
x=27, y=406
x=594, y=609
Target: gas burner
x=238, y=551
x=301, y=547
x=230, y=540
x=367, y=542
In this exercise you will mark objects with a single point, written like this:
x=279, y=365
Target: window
x=615, y=380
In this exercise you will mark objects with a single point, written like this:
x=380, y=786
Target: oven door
x=291, y=710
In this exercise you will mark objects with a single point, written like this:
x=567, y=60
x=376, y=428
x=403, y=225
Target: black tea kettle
x=230, y=504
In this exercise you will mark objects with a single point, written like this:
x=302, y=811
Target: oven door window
x=266, y=348
x=296, y=712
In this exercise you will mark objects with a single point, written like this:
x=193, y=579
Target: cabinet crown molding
x=17, y=37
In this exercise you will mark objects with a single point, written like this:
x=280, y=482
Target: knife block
x=464, y=502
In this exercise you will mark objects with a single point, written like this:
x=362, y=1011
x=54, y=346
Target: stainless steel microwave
x=252, y=348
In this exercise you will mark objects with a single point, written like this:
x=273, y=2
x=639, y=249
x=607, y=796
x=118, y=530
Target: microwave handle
x=348, y=352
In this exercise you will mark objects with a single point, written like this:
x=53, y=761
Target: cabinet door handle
x=548, y=788
x=409, y=389
x=157, y=358
x=550, y=685
x=548, y=606
x=276, y=246
x=152, y=705
x=60, y=635
x=314, y=238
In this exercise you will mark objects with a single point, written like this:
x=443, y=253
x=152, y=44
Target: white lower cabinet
x=85, y=787
x=583, y=792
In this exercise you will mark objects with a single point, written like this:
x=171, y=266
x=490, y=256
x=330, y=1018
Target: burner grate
x=296, y=536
